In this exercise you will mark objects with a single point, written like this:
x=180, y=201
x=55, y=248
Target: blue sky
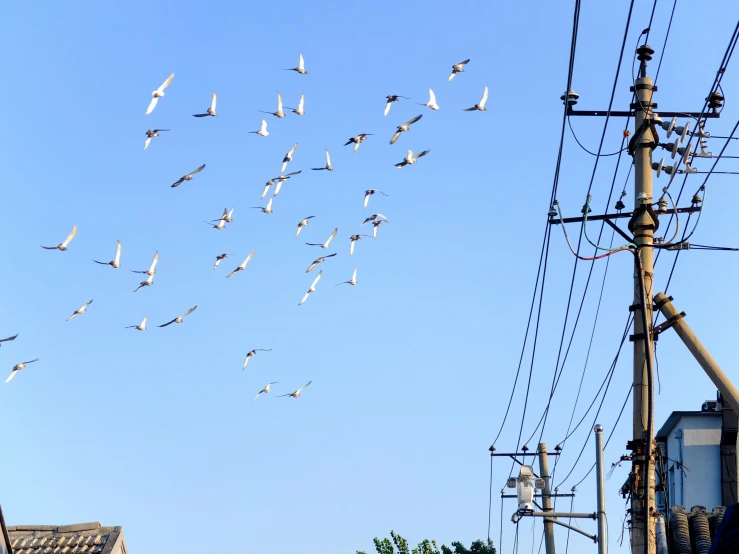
x=413, y=367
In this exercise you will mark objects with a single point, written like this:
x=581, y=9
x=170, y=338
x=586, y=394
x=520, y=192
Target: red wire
x=606, y=254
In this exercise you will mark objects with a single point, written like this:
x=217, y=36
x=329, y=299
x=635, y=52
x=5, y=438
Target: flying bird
x=18, y=367
x=373, y=217
x=242, y=266
x=352, y=281
x=458, y=68
x=227, y=215
x=147, y=283
x=267, y=209
x=359, y=139
x=312, y=288
x=253, y=353
x=353, y=239
x=328, y=240
x=152, y=268
x=393, y=98
x=432, y=101
x=404, y=127
x=328, y=164
x=262, y=132
x=81, y=310
x=63, y=246
x=302, y=224
x=211, y=111
x=8, y=339
x=116, y=262
x=279, y=112
x=151, y=134
x=480, y=106
x=288, y=157
x=219, y=258
x=219, y=226
x=410, y=159
x=370, y=192
x=188, y=177
x=178, y=319
x=301, y=66
x=296, y=394
x=157, y=94
x=265, y=390
x=375, y=225
x=301, y=106
x=140, y=327
x=318, y=261
x=281, y=179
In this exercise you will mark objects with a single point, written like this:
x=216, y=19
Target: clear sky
x=412, y=368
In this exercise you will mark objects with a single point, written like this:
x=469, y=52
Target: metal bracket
x=640, y=336
x=666, y=325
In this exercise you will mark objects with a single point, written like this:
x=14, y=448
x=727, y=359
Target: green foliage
x=399, y=545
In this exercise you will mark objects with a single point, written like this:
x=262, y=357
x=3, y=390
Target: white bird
x=242, y=266
x=410, y=159
x=480, y=106
x=458, y=68
x=370, y=192
x=228, y=215
x=211, y=111
x=328, y=164
x=18, y=367
x=8, y=339
x=288, y=157
x=253, y=353
x=81, y=310
x=179, y=318
x=281, y=179
x=151, y=134
x=267, y=209
x=312, y=288
x=393, y=98
x=188, y=177
x=63, y=246
x=352, y=281
x=147, y=283
x=301, y=106
x=373, y=217
x=302, y=224
x=262, y=132
x=219, y=258
x=296, y=394
x=375, y=225
x=157, y=94
x=265, y=390
x=220, y=225
x=319, y=261
x=152, y=268
x=301, y=66
x=359, y=139
x=140, y=327
x=116, y=263
x=432, y=101
x=279, y=112
x=404, y=127
x=353, y=239
x=328, y=240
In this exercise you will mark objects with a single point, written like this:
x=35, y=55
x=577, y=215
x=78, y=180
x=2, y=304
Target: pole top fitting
x=644, y=53
x=569, y=98
x=598, y=428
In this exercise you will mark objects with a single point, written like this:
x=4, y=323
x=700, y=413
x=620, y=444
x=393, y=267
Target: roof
x=80, y=538
x=675, y=417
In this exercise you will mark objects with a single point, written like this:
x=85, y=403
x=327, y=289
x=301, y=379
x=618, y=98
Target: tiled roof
x=81, y=538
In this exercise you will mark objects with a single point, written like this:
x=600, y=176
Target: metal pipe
x=593, y=538
x=560, y=514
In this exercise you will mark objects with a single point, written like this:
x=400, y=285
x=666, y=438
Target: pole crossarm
x=618, y=215
x=576, y=515
x=613, y=113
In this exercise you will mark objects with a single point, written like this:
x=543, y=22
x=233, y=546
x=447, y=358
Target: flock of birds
x=376, y=220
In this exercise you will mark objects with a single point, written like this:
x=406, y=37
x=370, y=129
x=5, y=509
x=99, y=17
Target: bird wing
x=188, y=312
x=452, y=76
x=328, y=157
x=318, y=277
x=246, y=361
x=146, y=144
x=269, y=205
x=301, y=388
x=302, y=101
x=213, y=101
x=154, y=261
x=152, y=105
x=464, y=62
x=234, y=272
x=351, y=248
x=143, y=322
x=279, y=102
x=432, y=97
x=9, y=338
x=168, y=323
x=70, y=236
x=311, y=266
x=484, y=98
x=472, y=109
x=387, y=107
x=395, y=137
x=12, y=374
x=422, y=154
x=246, y=261
x=366, y=199
x=178, y=182
x=263, y=129
x=412, y=121
x=301, y=63
x=257, y=396
x=198, y=170
x=118, y=253
x=307, y=294
x=293, y=149
x=165, y=84
x=330, y=238
x=354, y=275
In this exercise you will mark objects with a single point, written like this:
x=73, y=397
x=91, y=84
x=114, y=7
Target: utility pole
x=546, y=499
x=602, y=523
x=643, y=225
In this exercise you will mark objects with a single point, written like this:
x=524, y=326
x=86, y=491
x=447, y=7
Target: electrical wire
x=664, y=45
x=586, y=209
x=569, y=122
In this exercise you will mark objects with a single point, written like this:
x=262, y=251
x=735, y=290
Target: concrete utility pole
x=546, y=499
x=643, y=225
x=602, y=523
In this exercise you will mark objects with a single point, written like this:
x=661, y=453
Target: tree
x=398, y=545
